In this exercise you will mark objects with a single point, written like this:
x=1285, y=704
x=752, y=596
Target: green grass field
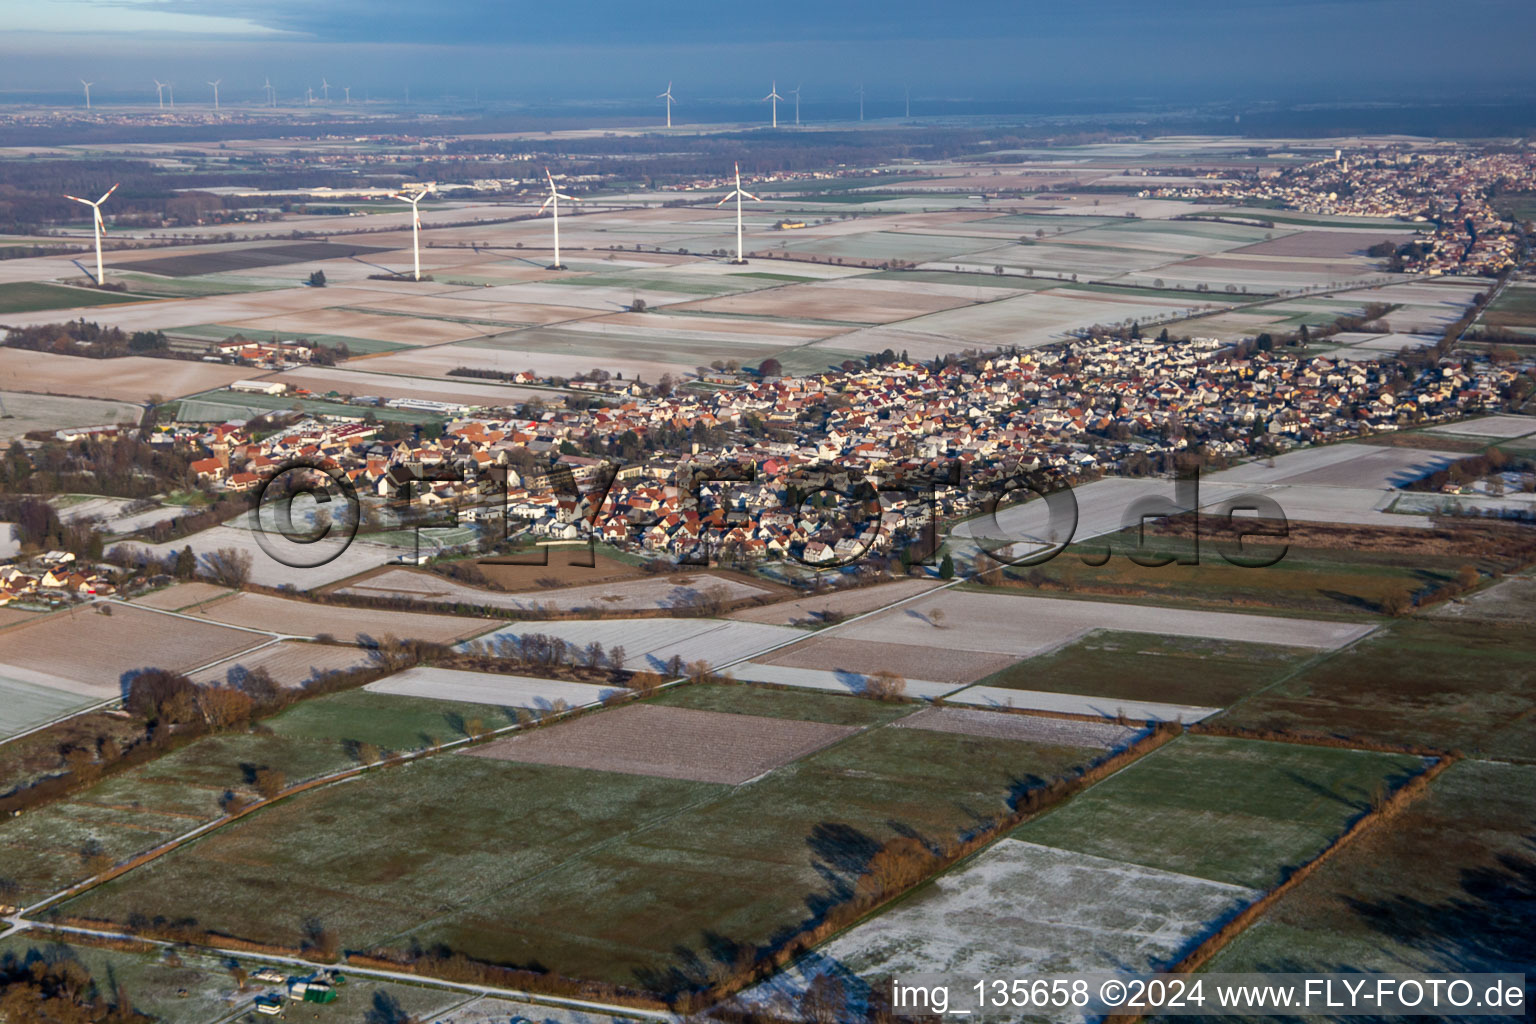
x=780, y=278
x=566, y=868
x=1143, y=666
x=29, y=296
x=1315, y=581
x=1446, y=684
x=1447, y=887
x=45, y=849
x=1238, y=811
x=770, y=702
x=219, y=332
x=1521, y=206
x=221, y=404
x=963, y=280
x=1515, y=307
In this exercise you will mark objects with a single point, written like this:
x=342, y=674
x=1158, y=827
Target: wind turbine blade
x=108, y=193
x=727, y=199
x=77, y=199
x=546, y=203
x=752, y=197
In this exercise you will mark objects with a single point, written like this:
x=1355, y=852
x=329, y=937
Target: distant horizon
x=1099, y=51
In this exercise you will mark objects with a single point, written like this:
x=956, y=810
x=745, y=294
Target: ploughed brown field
x=249, y=257
x=84, y=651
x=301, y=618
x=670, y=743
x=914, y=661
x=1326, y=243
x=290, y=663
x=129, y=379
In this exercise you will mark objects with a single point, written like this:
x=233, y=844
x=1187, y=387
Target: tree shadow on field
x=1491, y=926
x=1021, y=785
x=1360, y=802
x=1354, y=601
x=722, y=959
x=386, y=1009
x=842, y=848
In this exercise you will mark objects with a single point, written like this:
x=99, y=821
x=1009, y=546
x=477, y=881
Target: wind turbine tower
x=96, y=217
x=907, y=92
x=271, y=92
x=170, y=92
x=861, y=101
x=796, y=91
x=668, y=97
x=215, y=85
x=159, y=92
x=347, y=89
x=737, y=194
x=774, y=97
x=309, y=96
x=87, y=92
x=325, y=90
x=416, y=222
x=553, y=202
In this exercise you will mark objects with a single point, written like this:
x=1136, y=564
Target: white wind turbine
x=738, y=195
x=668, y=97
x=774, y=97
x=796, y=91
x=96, y=214
x=348, y=90
x=553, y=202
x=159, y=92
x=861, y=101
x=170, y=92
x=416, y=221
x=215, y=85
x=309, y=96
x=271, y=92
x=325, y=89
x=87, y=92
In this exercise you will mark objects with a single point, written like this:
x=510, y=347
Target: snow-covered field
x=650, y=643
x=1071, y=703
x=1029, y=728
x=1489, y=426
x=1024, y=626
x=618, y=596
x=836, y=680
x=1020, y=909
x=490, y=688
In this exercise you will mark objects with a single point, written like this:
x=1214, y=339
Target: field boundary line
x=1306, y=666
x=1389, y=808
x=1142, y=746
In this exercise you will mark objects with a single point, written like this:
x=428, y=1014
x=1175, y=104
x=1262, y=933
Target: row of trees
x=91, y=340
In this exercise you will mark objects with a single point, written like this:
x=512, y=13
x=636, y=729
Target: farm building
x=259, y=387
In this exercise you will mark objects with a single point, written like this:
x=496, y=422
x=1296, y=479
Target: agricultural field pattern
x=971, y=547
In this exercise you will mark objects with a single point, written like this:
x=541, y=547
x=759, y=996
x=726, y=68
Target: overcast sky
x=1099, y=51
